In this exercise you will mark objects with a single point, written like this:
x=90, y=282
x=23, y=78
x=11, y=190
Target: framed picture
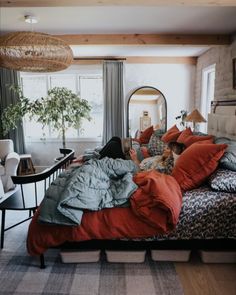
x=145, y=122
x=234, y=73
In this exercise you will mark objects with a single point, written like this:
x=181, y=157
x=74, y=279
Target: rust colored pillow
x=171, y=135
x=196, y=163
x=146, y=135
x=187, y=137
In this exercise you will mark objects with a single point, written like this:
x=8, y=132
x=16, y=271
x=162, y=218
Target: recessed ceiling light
x=31, y=19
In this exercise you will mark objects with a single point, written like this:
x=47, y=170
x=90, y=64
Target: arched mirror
x=146, y=107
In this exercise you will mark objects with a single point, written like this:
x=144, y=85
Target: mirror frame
x=127, y=122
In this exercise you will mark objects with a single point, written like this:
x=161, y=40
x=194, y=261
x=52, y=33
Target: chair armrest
x=11, y=163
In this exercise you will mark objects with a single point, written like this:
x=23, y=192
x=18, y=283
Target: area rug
x=20, y=274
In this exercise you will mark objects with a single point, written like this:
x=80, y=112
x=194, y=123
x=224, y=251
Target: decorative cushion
x=171, y=135
x=196, y=163
x=223, y=180
x=155, y=145
x=187, y=137
x=145, y=135
x=228, y=161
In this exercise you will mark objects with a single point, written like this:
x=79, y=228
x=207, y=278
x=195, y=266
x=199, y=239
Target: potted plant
x=60, y=109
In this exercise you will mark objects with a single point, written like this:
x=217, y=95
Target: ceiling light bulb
x=31, y=19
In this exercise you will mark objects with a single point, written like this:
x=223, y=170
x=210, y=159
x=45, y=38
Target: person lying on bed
x=112, y=149
x=163, y=163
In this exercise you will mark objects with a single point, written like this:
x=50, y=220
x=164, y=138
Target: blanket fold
x=158, y=200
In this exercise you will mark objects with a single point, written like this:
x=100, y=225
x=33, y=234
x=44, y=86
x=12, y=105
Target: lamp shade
x=34, y=52
x=195, y=117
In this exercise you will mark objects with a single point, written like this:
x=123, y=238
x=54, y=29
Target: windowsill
x=57, y=140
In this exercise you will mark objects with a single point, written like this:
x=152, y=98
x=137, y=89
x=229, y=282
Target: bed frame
x=221, y=122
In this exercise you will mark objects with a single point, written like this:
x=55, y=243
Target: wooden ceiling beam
x=145, y=39
x=63, y=3
x=162, y=60
x=138, y=59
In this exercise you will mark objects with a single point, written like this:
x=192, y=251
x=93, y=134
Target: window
x=88, y=86
x=208, y=89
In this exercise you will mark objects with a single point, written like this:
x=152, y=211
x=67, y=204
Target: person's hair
x=176, y=147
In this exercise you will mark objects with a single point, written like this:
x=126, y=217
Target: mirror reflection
x=146, y=107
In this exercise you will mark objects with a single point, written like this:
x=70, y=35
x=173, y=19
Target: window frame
x=205, y=101
x=48, y=76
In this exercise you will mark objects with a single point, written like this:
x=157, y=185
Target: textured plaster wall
x=222, y=57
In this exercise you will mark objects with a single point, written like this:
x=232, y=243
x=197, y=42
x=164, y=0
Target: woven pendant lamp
x=195, y=117
x=34, y=52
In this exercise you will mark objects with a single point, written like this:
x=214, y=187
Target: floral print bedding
x=205, y=214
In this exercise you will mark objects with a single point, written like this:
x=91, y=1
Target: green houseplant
x=60, y=109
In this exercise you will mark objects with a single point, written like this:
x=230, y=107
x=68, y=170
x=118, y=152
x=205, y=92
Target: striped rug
x=20, y=274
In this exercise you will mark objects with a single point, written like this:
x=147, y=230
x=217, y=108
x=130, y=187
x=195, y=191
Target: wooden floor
x=198, y=278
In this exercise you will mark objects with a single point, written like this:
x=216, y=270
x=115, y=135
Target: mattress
x=205, y=215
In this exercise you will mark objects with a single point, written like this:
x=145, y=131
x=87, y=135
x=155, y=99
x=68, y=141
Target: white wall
x=44, y=153
x=175, y=81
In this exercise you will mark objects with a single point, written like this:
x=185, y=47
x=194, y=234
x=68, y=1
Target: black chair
x=31, y=190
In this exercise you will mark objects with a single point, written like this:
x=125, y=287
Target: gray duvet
x=97, y=184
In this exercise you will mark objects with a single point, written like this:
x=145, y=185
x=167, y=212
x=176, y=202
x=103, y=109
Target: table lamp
x=195, y=117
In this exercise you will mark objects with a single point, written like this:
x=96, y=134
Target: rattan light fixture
x=34, y=52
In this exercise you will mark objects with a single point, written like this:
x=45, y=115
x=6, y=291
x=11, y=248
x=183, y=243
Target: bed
x=207, y=218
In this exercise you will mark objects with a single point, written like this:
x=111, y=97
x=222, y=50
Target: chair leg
x=3, y=228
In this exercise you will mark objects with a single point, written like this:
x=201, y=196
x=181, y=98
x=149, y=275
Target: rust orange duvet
x=154, y=209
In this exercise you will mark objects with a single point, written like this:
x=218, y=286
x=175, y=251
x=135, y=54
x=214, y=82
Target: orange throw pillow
x=187, y=137
x=146, y=135
x=171, y=135
x=196, y=163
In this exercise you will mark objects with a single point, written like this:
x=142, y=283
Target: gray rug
x=20, y=274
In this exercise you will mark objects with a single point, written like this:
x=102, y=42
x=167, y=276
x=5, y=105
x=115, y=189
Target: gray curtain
x=113, y=124
x=7, y=97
